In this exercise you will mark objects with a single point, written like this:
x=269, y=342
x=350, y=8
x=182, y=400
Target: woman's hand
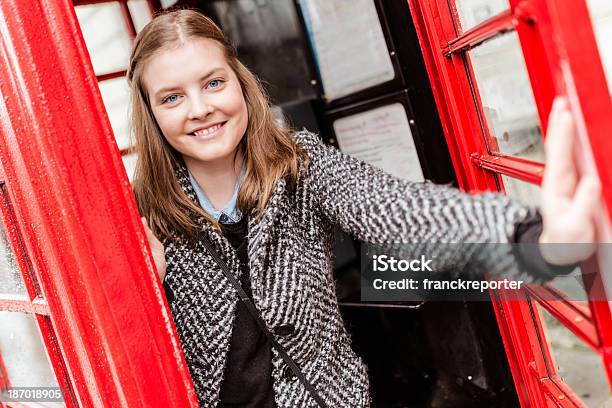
x=157, y=249
x=569, y=200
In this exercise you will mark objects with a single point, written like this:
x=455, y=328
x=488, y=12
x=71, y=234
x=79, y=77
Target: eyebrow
x=203, y=77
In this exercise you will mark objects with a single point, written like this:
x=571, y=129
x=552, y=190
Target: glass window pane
x=572, y=286
x=140, y=12
x=167, y=3
x=526, y=193
x=601, y=15
x=116, y=96
x=577, y=364
x=10, y=278
x=474, y=12
x=105, y=34
x=129, y=163
x=507, y=98
x=23, y=352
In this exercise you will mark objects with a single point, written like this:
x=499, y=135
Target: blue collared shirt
x=230, y=214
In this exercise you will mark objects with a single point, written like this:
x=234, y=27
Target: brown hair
x=269, y=151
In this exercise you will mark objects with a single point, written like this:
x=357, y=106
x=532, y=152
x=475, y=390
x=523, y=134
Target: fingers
x=560, y=175
x=588, y=195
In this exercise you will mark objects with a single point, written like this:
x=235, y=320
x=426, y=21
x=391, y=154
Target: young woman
x=215, y=167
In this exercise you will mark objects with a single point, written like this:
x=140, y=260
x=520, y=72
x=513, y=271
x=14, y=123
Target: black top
x=247, y=380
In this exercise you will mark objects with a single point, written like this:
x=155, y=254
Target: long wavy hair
x=269, y=151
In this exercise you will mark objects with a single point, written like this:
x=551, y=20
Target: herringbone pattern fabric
x=291, y=258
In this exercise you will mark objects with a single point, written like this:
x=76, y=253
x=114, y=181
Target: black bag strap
x=260, y=322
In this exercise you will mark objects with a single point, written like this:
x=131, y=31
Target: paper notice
x=350, y=48
x=381, y=137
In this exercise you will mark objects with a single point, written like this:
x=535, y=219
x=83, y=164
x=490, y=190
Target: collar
x=230, y=214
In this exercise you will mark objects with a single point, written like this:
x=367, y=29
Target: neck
x=217, y=179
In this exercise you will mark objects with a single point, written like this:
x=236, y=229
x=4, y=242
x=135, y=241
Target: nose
x=199, y=107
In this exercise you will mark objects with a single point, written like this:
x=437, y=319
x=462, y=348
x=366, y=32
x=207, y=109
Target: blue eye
x=170, y=98
x=215, y=83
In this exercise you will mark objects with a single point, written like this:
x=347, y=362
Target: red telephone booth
x=78, y=287
x=552, y=49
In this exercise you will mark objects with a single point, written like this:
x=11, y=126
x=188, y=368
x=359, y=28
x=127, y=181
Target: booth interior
x=356, y=75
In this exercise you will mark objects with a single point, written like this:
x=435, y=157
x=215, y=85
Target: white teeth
x=208, y=130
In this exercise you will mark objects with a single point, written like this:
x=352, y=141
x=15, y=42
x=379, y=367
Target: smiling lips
x=208, y=130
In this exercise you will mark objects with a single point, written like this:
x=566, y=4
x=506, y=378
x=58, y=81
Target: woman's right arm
x=379, y=208
x=421, y=218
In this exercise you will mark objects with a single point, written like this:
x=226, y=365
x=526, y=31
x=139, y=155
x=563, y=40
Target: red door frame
x=90, y=303
x=72, y=203
x=554, y=56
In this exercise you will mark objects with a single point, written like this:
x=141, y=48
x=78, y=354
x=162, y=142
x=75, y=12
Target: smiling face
x=197, y=101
